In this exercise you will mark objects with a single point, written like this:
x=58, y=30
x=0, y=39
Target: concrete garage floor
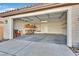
x=35, y=45
x=48, y=38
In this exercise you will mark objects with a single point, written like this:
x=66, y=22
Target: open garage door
x=51, y=28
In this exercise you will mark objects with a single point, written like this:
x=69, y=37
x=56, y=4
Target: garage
x=41, y=22
x=51, y=28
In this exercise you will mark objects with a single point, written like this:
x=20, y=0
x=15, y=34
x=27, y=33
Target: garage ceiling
x=45, y=17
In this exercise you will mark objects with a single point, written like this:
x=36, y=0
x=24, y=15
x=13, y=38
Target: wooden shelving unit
x=30, y=29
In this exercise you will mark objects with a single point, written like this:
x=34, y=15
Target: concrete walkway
x=29, y=48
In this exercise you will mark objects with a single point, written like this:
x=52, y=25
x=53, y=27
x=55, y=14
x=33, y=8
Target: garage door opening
x=51, y=28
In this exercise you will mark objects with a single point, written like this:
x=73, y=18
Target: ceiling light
x=43, y=21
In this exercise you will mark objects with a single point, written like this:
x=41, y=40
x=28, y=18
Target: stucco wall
x=75, y=25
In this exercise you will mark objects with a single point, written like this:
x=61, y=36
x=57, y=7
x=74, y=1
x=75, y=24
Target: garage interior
x=50, y=28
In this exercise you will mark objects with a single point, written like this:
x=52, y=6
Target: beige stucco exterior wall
x=75, y=25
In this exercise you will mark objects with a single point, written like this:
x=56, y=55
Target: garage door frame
x=69, y=21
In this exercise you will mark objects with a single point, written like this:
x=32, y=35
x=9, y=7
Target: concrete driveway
x=29, y=48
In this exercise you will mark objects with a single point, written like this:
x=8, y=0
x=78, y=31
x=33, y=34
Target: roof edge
x=36, y=8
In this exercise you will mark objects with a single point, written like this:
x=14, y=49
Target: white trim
x=8, y=31
x=69, y=28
